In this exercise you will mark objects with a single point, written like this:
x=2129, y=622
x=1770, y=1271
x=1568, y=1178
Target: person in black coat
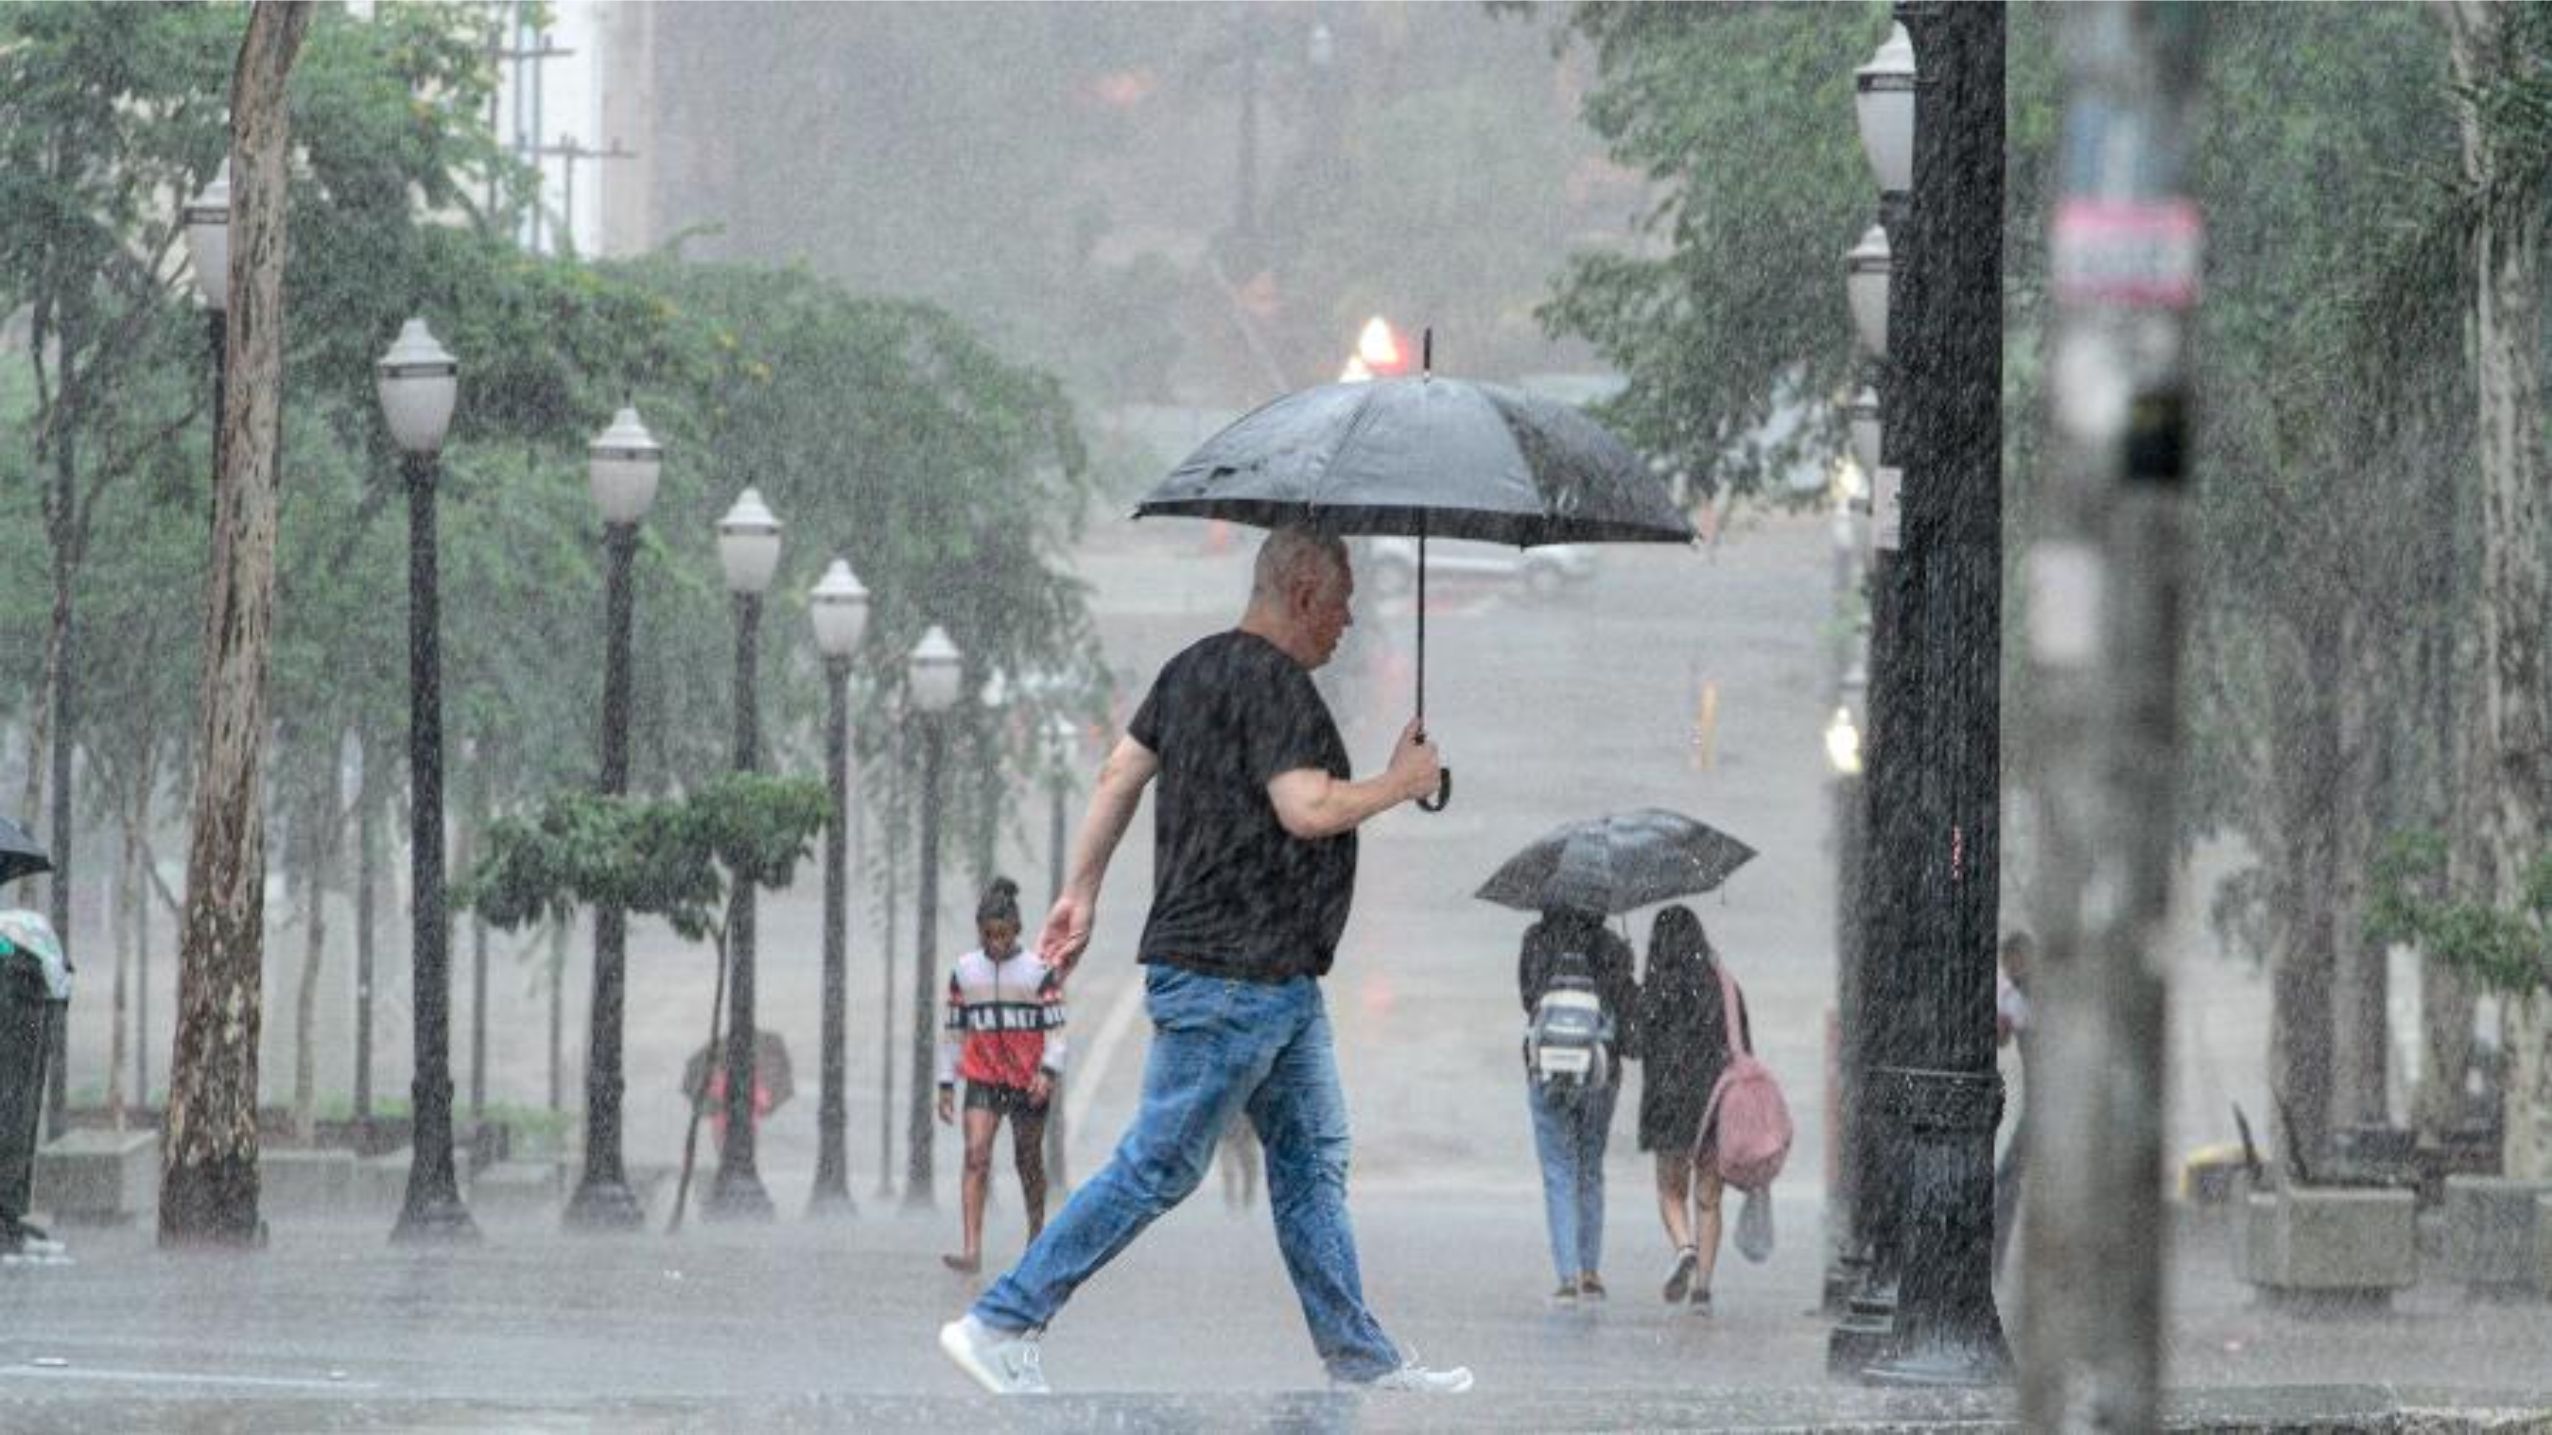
x=1684, y=1045
x=1572, y=1128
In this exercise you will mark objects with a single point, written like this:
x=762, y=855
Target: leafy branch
x=2411, y=900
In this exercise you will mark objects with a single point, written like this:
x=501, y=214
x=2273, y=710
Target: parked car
x=1390, y=565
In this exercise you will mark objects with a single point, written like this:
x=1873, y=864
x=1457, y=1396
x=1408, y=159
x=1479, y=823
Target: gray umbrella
x=1606, y=865
x=20, y=854
x=1420, y=458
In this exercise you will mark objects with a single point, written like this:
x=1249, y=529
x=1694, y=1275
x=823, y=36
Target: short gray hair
x=1291, y=553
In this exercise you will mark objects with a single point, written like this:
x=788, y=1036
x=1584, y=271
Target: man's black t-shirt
x=1233, y=893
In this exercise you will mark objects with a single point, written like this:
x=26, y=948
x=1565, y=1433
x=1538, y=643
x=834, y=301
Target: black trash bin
x=35, y=988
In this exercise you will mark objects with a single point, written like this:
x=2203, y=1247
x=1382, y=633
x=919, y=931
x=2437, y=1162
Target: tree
x=2503, y=111
x=208, y=1192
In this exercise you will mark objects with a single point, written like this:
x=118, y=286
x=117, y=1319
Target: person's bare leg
x=1674, y=1196
x=1028, y=1157
x=1706, y=1191
x=979, y=1131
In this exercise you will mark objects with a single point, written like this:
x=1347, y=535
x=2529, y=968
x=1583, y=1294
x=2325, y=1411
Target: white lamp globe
x=1868, y=269
x=621, y=466
x=749, y=544
x=1883, y=103
x=935, y=671
x=418, y=382
x=207, y=218
x=838, y=606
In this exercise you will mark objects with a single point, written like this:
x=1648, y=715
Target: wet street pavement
x=806, y=1326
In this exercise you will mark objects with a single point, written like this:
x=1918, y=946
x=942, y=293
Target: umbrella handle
x=1444, y=792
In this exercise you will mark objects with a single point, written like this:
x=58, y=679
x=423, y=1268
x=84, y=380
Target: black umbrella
x=20, y=854
x=1420, y=458
x=1620, y=863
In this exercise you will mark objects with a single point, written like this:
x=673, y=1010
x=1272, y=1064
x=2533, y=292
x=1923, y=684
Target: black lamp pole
x=433, y=1211
x=603, y=1200
x=738, y=1193
x=832, y=1194
x=917, y=1142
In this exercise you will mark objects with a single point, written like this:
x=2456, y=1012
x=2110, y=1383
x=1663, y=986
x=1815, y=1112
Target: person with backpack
x=1685, y=1044
x=1575, y=977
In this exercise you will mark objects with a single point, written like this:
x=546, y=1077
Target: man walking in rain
x=1255, y=865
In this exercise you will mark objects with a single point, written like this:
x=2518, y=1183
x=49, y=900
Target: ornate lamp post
x=207, y=218
x=622, y=466
x=749, y=551
x=934, y=676
x=419, y=383
x=838, y=607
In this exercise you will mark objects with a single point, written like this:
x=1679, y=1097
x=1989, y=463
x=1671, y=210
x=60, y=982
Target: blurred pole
x=738, y=1192
x=1056, y=1181
x=603, y=1200
x=2104, y=581
x=367, y=888
x=1938, y=1085
x=1891, y=836
x=917, y=1137
x=891, y=833
x=433, y=1210
x=832, y=1195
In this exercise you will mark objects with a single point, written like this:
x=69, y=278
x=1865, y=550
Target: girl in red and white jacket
x=1004, y=1035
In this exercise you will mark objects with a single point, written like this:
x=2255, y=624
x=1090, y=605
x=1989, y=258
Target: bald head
x=1294, y=556
x=1298, y=594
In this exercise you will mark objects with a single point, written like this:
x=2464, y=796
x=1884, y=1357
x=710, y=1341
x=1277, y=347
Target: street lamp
x=749, y=551
x=419, y=382
x=1883, y=105
x=1868, y=269
x=838, y=608
x=622, y=465
x=1863, y=414
x=1062, y=736
x=935, y=676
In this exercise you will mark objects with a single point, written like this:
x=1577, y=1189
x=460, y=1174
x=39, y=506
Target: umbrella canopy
x=770, y=1066
x=20, y=854
x=1420, y=458
x=1424, y=457
x=1620, y=863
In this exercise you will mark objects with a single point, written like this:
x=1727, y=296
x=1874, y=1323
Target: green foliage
x=668, y=857
x=2410, y=901
x=1733, y=302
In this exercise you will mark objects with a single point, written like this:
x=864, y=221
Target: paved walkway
x=802, y=1326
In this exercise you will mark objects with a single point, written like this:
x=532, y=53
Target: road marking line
x=1084, y=1086
x=174, y=1377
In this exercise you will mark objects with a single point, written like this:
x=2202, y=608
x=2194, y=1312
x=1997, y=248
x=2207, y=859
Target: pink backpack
x=1754, y=1122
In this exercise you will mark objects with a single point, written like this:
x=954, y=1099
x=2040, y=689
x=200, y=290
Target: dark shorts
x=1001, y=1100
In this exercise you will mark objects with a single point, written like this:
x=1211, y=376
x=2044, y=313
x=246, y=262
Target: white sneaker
x=1001, y=1363
x=1417, y=1379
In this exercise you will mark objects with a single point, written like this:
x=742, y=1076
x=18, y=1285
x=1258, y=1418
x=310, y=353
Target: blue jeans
x=1221, y=1045
x=1569, y=1136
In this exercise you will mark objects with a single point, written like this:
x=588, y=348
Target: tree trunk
x=208, y=1191
x=2362, y=1046
x=2304, y=872
x=2515, y=768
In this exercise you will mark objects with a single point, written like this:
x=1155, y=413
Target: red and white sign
x=2128, y=253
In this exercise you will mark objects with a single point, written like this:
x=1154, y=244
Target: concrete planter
x=305, y=1183
x=2331, y=1245
x=99, y=1177
x=2496, y=1235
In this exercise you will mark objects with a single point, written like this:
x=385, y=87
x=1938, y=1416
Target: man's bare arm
x=1129, y=769
x=1311, y=804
